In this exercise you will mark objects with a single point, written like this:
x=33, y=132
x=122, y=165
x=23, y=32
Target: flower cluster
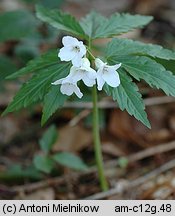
x=75, y=51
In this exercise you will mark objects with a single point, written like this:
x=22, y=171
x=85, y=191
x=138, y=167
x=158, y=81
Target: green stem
x=97, y=144
x=93, y=57
x=96, y=131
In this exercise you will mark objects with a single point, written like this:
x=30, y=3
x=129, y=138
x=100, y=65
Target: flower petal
x=117, y=66
x=67, y=89
x=85, y=63
x=66, y=54
x=100, y=80
x=82, y=48
x=77, y=60
x=112, y=78
x=88, y=82
x=114, y=67
x=69, y=41
x=75, y=74
x=72, y=71
x=91, y=74
x=77, y=91
x=99, y=63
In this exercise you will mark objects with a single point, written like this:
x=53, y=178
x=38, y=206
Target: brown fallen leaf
x=160, y=136
x=124, y=127
x=127, y=128
x=73, y=138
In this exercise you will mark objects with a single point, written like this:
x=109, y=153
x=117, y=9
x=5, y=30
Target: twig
x=134, y=157
x=165, y=147
x=169, y=165
x=79, y=117
x=110, y=104
x=39, y=185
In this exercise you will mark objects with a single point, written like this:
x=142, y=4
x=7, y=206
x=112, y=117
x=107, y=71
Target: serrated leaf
x=118, y=47
x=168, y=64
x=43, y=163
x=129, y=98
x=37, y=87
x=48, y=139
x=60, y=20
x=121, y=23
x=16, y=24
x=154, y=74
x=70, y=160
x=91, y=22
x=45, y=60
x=52, y=101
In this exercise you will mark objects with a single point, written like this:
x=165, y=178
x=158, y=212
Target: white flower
x=68, y=87
x=107, y=74
x=84, y=73
x=73, y=50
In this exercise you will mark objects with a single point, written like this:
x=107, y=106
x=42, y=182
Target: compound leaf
x=53, y=100
x=118, y=47
x=141, y=67
x=59, y=20
x=129, y=98
x=121, y=23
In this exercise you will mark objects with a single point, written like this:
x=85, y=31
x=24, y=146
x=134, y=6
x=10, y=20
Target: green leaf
x=7, y=67
x=48, y=139
x=129, y=98
x=168, y=64
x=46, y=60
x=118, y=47
x=17, y=173
x=52, y=101
x=154, y=74
x=121, y=23
x=16, y=24
x=38, y=86
x=69, y=160
x=59, y=20
x=91, y=23
x=43, y=163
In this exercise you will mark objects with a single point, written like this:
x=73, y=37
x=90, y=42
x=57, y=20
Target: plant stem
x=93, y=57
x=96, y=131
x=97, y=144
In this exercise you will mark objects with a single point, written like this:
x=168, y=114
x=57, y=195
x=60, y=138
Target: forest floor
x=139, y=163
